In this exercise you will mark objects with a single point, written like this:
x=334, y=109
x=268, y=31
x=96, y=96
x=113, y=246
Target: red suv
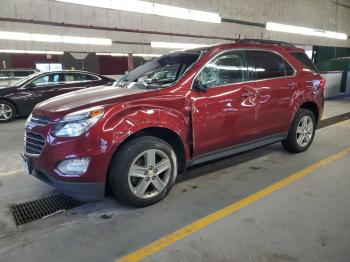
x=179, y=110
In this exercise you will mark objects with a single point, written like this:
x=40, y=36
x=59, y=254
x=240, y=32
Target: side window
x=80, y=77
x=304, y=59
x=71, y=77
x=288, y=69
x=77, y=77
x=47, y=80
x=269, y=65
x=227, y=68
x=91, y=77
x=68, y=78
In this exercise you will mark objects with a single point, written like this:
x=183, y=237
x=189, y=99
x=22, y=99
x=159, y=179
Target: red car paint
x=204, y=121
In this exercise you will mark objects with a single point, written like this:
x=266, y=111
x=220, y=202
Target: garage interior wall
x=133, y=32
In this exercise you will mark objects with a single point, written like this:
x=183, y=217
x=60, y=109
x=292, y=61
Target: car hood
x=5, y=88
x=54, y=108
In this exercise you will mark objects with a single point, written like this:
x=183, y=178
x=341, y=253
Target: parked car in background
x=175, y=111
x=19, y=98
x=9, y=76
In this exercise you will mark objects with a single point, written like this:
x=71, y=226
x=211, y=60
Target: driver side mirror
x=198, y=85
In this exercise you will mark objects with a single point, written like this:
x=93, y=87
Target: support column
x=130, y=62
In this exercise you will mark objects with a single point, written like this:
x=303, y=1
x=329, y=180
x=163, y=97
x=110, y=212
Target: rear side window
x=77, y=77
x=269, y=65
x=304, y=59
x=91, y=77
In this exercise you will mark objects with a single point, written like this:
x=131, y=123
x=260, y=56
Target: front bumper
x=77, y=190
x=94, y=144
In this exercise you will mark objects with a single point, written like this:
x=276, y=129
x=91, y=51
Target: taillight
x=322, y=83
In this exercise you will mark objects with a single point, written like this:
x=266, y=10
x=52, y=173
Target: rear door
x=225, y=114
x=76, y=81
x=275, y=83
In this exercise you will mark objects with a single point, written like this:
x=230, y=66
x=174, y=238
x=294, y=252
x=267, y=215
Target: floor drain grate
x=333, y=120
x=37, y=209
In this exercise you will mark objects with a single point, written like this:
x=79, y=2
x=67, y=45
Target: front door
x=225, y=114
x=40, y=89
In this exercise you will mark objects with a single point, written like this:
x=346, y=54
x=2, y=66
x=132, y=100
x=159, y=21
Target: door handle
x=247, y=93
x=292, y=84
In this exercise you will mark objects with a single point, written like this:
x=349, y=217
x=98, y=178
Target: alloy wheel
x=149, y=174
x=5, y=112
x=305, y=131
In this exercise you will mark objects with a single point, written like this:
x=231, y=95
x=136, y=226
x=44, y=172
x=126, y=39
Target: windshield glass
x=160, y=72
x=24, y=79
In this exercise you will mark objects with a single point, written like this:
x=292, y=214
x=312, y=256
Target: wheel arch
x=312, y=106
x=168, y=135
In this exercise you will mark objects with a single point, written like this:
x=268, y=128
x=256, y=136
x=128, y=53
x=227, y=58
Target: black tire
x=290, y=143
x=121, y=163
x=8, y=105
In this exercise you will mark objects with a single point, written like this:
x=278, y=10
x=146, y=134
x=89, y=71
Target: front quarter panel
x=19, y=98
x=128, y=118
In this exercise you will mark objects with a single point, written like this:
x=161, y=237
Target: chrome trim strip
x=35, y=139
x=33, y=144
x=36, y=148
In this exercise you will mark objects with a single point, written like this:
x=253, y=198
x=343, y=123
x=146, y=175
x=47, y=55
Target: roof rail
x=264, y=41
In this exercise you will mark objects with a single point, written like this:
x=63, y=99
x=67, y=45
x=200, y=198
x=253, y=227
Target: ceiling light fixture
x=54, y=38
x=304, y=31
x=151, y=8
x=175, y=45
x=10, y=51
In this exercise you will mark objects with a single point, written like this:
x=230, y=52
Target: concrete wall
x=321, y=14
x=5, y=61
x=333, y=81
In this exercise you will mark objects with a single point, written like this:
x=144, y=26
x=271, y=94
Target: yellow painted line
x=170, y=239
x=12, y=172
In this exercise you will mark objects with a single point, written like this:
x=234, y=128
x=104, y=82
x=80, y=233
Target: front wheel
x=301, y=133
x=143, y=171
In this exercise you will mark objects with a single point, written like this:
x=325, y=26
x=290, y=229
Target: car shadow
x=227, y=162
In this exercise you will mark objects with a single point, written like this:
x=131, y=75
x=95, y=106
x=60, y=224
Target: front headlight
x=27, y=121
x=77, y=123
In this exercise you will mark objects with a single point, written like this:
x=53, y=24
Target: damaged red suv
x=179, y=110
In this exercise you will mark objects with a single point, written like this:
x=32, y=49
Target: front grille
x=41, y=208
x=34, y=143
x=38, y=121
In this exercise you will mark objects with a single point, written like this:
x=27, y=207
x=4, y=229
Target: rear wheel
x=301, y=133
x=143, y=171
x=7, y=111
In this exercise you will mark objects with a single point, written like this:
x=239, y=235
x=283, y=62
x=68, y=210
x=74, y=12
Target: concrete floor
x=338, y=106
x=305, y=221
